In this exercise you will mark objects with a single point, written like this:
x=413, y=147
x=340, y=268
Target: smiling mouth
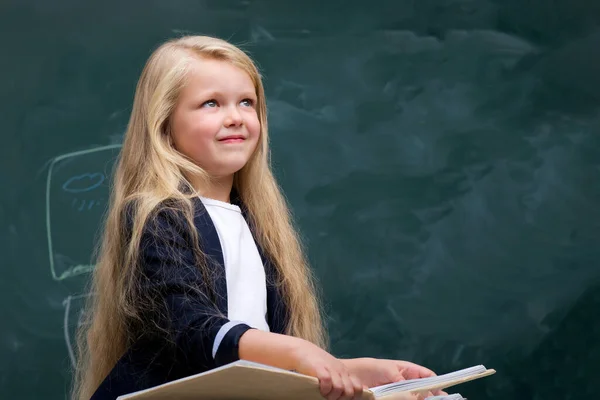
x=232, y=139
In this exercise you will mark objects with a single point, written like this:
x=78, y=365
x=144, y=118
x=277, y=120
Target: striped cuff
x=226, y=344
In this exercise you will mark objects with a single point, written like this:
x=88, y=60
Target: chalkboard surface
x=442, y=158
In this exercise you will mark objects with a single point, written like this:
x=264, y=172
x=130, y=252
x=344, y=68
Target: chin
x=228, y=170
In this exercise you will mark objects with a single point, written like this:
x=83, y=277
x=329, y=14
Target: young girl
x=199, y=264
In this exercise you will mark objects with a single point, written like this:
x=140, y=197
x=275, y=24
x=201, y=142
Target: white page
x=412, y=384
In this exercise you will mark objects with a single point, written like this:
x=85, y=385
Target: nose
x=233, y=117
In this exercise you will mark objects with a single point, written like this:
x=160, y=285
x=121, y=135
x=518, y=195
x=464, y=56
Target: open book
x=454, y=396
x=248, y=380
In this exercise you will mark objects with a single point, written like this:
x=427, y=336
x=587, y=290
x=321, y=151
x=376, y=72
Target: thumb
x=424, y=395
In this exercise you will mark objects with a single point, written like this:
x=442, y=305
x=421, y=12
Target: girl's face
x=215, y=121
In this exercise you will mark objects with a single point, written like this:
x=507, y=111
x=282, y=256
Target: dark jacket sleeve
x=179, y=305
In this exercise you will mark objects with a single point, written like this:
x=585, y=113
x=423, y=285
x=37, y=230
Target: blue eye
x=209, y=103
x=248, y=102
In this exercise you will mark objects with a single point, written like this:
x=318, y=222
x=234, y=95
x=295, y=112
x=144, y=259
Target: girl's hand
x=335, y=380
x=423, y=395
x=376, y=372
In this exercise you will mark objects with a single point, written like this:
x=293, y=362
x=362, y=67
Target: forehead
x=216, y=75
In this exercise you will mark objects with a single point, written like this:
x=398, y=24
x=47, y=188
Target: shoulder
x=163, y=239
x=168, y=218
x=169, y=221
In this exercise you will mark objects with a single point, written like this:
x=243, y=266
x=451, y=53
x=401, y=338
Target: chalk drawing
x=73, y=319
x=76, y=193
x=85, y=205
x=73, y=184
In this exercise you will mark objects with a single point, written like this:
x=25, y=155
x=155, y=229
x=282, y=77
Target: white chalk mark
x=67, y=304
x=260, y=34
x=77, y=269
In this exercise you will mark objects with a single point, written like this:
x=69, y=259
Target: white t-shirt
x=244, y=270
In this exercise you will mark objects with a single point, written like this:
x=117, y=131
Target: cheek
x=193, y=136
x=253, y=125
x=204, y=128
x=199, y=131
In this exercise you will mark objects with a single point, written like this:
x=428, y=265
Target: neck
x=218, y=188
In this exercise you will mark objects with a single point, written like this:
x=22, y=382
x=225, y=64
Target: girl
x=199, y=264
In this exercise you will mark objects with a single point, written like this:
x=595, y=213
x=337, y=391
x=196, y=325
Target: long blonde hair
x=149, y=172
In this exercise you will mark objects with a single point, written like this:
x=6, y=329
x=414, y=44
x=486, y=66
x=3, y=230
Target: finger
x=420, y=395
x=325, y=381
x=348, y=392
x=414, y=371
x=424, y=372
x=357, y=386
x=424, y=395
x=337, y=387
x=401, y=375
x=408, y=371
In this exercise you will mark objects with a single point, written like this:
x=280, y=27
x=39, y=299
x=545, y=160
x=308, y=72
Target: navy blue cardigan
x=188, y=323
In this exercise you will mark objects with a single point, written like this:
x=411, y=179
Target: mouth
x=233, y=139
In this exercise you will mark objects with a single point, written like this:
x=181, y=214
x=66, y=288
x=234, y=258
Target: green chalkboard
x=442, y=158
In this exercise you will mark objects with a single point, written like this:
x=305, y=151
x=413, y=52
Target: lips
x=232, y=138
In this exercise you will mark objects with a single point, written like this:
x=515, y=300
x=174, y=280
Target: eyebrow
x=221, y=94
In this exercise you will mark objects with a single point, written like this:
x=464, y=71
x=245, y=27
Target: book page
x=415, y=384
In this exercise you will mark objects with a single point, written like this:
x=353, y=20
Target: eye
x=248, y=102
x=209, y=103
